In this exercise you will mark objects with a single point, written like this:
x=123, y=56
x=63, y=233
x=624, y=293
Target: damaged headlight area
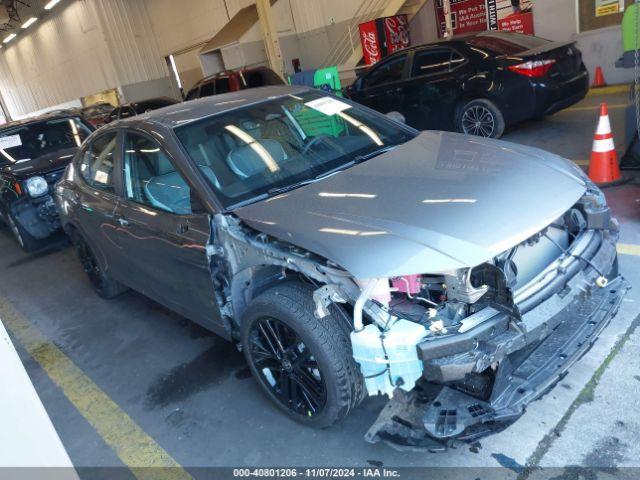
x=461, y=353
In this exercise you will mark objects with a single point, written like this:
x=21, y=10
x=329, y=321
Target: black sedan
x=476, y=84
x=33, y=155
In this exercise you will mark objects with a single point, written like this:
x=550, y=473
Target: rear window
x=506, y=44
x=259, y=78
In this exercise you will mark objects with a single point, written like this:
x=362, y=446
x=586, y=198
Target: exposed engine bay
x=459, y=353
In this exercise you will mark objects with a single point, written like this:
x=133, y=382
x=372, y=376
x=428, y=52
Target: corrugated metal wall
x=62, y=59
x=131, y=40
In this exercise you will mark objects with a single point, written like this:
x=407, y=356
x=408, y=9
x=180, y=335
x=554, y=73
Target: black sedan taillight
x=533, y=68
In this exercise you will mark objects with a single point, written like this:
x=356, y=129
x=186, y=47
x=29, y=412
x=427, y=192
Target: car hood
x=439, y=202
x=42, y=164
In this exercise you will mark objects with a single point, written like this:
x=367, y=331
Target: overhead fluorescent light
x=9, y=38
x=29, y=22
x=51, y=4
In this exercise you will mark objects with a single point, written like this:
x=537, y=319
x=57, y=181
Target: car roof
x=460, y=39
x=194, y=110
x=228, y=73
x=147, y=100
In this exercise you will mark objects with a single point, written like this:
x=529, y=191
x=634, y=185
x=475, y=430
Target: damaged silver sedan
x=349, y=255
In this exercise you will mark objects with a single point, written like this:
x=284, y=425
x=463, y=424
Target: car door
x=162, y=239
x=381, y=87
x=430, y=94
x=95, y=197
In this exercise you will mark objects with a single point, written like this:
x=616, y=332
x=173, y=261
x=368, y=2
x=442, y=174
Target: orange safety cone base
x=598, y=80
x=603, y=167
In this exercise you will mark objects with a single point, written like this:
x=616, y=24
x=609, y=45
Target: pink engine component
x=407, y=284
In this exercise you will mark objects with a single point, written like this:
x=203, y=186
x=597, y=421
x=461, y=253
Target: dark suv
x=33, y=155
x=232, y=81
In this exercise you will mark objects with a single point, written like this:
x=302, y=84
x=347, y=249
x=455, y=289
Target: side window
x=222, y=85
x=206, y=90
x=390, y=71
x=193, y=93
x=151, y=179
x=96, y=166
x=428, y=62
x=127, y=112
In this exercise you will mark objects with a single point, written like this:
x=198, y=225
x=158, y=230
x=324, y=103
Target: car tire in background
x=103, y=284
x=304, y=364
x=27, y=242
x=480, y=117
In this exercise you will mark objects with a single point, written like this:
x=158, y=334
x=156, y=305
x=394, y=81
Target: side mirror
x=396, y=117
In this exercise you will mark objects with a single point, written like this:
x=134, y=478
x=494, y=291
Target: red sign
x=466, y=16
x=510, y=15
x=396, y=30
x=519, y=23
x=371, y=48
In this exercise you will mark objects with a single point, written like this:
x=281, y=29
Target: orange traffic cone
x=598, y=80
x=603, y=167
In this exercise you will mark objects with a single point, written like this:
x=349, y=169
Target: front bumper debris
x=532, y=355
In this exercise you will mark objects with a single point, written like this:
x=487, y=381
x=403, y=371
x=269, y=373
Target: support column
x=270, y=36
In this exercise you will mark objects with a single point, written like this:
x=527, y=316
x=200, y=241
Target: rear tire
x=102, y=283
x=27, y=242
x=310, y=372
x=480, y=117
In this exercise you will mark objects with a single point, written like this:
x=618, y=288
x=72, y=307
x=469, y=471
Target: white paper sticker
x=10, y=141
x=101, y=177
x=327, y=105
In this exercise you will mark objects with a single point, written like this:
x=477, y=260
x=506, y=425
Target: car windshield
x=26, y=142
x=259, y=150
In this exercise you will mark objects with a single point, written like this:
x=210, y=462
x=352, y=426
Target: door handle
x=182, y=228
x=122, y=221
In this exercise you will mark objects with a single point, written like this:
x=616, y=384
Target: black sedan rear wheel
x=481, y=117
x=303, y=364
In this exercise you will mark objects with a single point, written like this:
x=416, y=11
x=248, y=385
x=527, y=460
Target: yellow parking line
x=628, y=249
x=592, y=107
x=607, y=90
x=137, y=450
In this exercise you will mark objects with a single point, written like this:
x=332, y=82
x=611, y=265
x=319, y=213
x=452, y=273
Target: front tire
x=102, y=283
x=480, y=117
x=304, y=365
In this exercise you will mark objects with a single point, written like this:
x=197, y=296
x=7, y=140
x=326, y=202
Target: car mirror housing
x=396, y=116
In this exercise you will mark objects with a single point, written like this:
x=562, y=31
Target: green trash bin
x=630, y=28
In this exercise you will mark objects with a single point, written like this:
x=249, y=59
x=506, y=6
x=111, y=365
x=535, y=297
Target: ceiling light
x=51, y=4
x=9, y=38
x=29, y=22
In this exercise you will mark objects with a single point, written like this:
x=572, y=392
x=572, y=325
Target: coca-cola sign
x=396, y=31
x=371, y=48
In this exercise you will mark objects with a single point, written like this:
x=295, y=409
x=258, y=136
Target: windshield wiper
x=375, y=153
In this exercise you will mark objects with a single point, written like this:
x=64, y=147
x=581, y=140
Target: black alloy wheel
x=481, y=117
x=101, y=281
x=478, y=120
x=287, y=367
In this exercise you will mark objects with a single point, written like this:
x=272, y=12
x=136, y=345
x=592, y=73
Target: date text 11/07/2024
x=328, y=472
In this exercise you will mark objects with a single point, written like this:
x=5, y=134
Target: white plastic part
x=389, y=359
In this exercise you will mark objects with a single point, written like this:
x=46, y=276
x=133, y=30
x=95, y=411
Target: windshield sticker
x=327, y=105
x=10, y=141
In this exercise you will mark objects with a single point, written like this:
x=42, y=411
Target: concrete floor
x=189, y=395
